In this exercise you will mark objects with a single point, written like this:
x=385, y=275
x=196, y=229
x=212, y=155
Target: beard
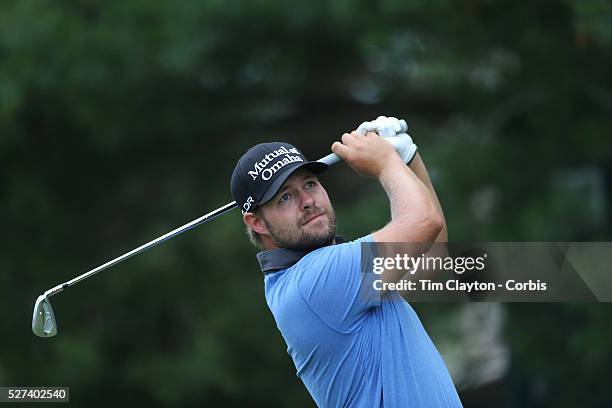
x=291, y=237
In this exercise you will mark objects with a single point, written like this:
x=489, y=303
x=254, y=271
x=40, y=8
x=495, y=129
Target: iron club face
x=43, y=318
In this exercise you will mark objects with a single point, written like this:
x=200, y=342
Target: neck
x=267, y=243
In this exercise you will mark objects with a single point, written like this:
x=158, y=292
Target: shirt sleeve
x=335, y=285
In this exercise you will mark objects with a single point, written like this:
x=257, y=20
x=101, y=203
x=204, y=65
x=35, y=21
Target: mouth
x=313, y=218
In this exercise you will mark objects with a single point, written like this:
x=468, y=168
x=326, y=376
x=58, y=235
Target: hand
x=367, y=154
x=384, y=126
x=389, y=127
x=408, y=149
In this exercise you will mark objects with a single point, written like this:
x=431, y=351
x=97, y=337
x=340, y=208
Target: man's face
x=300, y=216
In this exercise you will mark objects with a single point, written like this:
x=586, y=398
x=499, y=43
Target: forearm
x=419, y=169
x=439, y=249
x=414, y=216
x=413, y=209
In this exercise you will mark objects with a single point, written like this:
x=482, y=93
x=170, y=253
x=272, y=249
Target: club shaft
x=329, y=160
x=395, y=141
x=207, y=217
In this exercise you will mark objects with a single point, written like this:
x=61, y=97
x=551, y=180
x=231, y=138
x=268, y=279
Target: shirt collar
x=278, y=259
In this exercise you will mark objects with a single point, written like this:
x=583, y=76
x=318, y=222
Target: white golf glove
x=390, y=127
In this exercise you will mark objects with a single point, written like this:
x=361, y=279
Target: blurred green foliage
x=122, y=120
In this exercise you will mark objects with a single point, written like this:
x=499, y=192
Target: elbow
x=435, y=223
x=432, y=223
x=423, y=228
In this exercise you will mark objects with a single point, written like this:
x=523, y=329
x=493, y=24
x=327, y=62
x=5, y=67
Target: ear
x=255, y=222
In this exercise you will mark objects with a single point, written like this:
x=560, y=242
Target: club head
x=43, y=319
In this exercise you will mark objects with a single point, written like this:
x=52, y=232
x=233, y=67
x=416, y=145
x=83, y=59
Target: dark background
x=120, y=121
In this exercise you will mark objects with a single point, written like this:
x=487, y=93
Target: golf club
x=44, y=323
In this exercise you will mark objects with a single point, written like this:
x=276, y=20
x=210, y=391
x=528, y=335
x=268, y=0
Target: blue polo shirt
x=350, y=346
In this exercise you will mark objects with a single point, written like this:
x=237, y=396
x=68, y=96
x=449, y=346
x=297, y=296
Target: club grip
x=333, y=158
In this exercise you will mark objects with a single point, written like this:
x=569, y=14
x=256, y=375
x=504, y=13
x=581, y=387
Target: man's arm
x=414, y=214
x=439, y=248
x=391, y=126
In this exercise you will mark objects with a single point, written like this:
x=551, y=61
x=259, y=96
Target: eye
x=284, y=198
x=310, y=184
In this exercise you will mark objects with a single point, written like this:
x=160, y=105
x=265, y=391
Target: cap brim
x=314, y=166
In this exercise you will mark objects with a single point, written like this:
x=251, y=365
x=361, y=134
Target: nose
x=307, y=200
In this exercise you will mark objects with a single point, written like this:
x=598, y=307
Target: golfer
x=350, y=348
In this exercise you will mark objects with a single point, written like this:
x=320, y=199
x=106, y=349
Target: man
x=351, y=347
